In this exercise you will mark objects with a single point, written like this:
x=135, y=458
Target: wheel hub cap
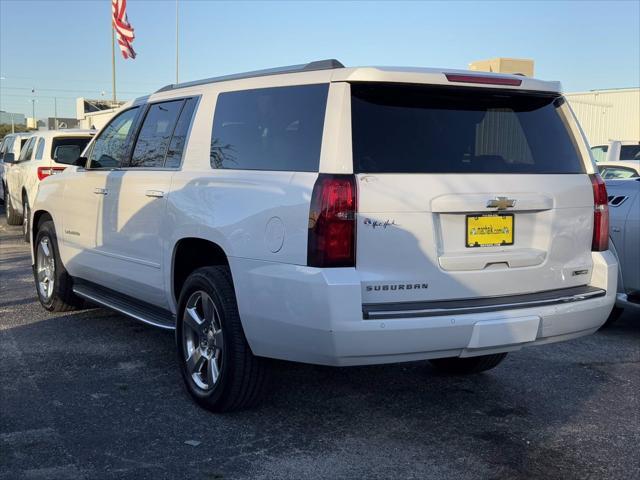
x=45, y=269
x=202, y=340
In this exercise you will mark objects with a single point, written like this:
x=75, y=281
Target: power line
x=66, y=90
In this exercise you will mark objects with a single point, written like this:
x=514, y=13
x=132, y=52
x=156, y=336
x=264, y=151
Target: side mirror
x=80, y=162
x=9, y=157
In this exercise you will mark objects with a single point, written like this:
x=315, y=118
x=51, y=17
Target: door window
x=179, y=139
x=27, y=150
x=111, y=146
x=40, y=149
x=155, y=135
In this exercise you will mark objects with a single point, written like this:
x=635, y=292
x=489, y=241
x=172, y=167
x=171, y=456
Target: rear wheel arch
x=39, y=217
x=192, y=253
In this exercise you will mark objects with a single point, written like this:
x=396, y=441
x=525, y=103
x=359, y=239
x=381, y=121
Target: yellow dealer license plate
x=489, y=230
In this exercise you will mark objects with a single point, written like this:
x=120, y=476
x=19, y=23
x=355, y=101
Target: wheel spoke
x=192, y=319
x=208, y=309
x=218, y=339
x=212, y=371
x=45, y=248
x=195, y=361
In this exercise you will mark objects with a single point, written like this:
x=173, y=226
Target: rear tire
x=463, y=366
x=53, y=284
x=26, y=215
x=12, y=217
x=219, y=370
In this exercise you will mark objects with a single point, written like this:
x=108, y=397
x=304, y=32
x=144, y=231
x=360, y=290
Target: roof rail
x=329, y=64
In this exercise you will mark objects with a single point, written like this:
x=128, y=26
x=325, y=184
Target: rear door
x=467, y=192
x=136, y=202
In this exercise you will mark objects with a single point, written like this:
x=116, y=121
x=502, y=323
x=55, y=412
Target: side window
x=179, y=139
x=155, y=135
x=40, y=149
x=27, y=150
x=600, y=153
x=269, y=129
x=110, y=147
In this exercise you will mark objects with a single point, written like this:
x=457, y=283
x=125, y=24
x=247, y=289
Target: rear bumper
x=316, y=316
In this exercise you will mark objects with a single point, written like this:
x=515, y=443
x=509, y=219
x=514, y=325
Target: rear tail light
x=485, y=79
x=332, y=222
x=600, y=240
x=44, y=172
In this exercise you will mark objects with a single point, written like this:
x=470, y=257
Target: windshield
x=399, y=128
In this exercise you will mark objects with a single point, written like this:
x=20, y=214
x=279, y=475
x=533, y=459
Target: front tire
x=53, y=284
x=464, y=366
x=219, y=370
x=12, y=217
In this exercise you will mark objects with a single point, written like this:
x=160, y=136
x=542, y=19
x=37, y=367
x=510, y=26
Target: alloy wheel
x=25, y=218
x=45, y=268
x=202, y=340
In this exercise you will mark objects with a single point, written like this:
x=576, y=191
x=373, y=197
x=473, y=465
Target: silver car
x=624, y=215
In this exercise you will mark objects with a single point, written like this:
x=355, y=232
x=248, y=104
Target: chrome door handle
x=154, y=193
x=100, y=191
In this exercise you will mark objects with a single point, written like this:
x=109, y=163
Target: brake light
x=486, y=79
x=600, y=240
x=44, y=172
x=332, y=222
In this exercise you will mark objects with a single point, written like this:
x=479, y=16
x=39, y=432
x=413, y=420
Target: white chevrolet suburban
x=335, y=216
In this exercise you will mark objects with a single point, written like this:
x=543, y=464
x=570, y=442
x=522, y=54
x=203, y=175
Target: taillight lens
x=332, y=222
x=44, y=172
x=600, y=240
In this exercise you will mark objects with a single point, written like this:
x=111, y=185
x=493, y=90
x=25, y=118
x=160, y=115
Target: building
x=95, y=113
x=62, y=123
x=12, y=118
x=520, y=66
x=35, y=124
x=608, y=114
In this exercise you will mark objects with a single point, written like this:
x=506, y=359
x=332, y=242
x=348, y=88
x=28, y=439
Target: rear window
x=417, y=129
x=269, y=128
x=67, y=149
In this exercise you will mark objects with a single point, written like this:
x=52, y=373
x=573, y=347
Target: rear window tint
x=417, y=129
x=269, y=128
x=67, y=149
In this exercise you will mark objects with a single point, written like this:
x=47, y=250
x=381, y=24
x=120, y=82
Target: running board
x=125, y=305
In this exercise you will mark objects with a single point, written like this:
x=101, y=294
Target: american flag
x=123, y=28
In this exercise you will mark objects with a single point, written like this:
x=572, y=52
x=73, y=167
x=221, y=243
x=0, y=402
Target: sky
x=62, y=49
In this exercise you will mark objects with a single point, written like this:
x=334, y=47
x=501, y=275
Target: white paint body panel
x=125, y=241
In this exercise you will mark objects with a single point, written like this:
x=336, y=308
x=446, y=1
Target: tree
x=6, y=129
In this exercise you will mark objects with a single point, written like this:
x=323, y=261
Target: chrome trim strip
x=370, y=313
x=121, y=310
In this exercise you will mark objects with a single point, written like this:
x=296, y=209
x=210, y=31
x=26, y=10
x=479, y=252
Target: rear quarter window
x=269, y=129
x=418, y=129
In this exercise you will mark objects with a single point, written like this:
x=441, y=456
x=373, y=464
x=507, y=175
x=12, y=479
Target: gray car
x=624, y=215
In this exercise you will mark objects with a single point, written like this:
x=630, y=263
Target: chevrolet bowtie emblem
x=501, y=203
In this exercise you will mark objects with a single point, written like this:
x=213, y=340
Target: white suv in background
x=44, y=153
x=335, y=216
x=12, y=143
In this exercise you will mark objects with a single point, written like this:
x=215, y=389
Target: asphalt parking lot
x=93, y=394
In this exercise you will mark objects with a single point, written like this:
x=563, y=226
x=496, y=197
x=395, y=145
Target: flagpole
x=113, y=62
x=177, y=42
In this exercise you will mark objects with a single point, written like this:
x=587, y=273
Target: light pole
x=33, y=108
